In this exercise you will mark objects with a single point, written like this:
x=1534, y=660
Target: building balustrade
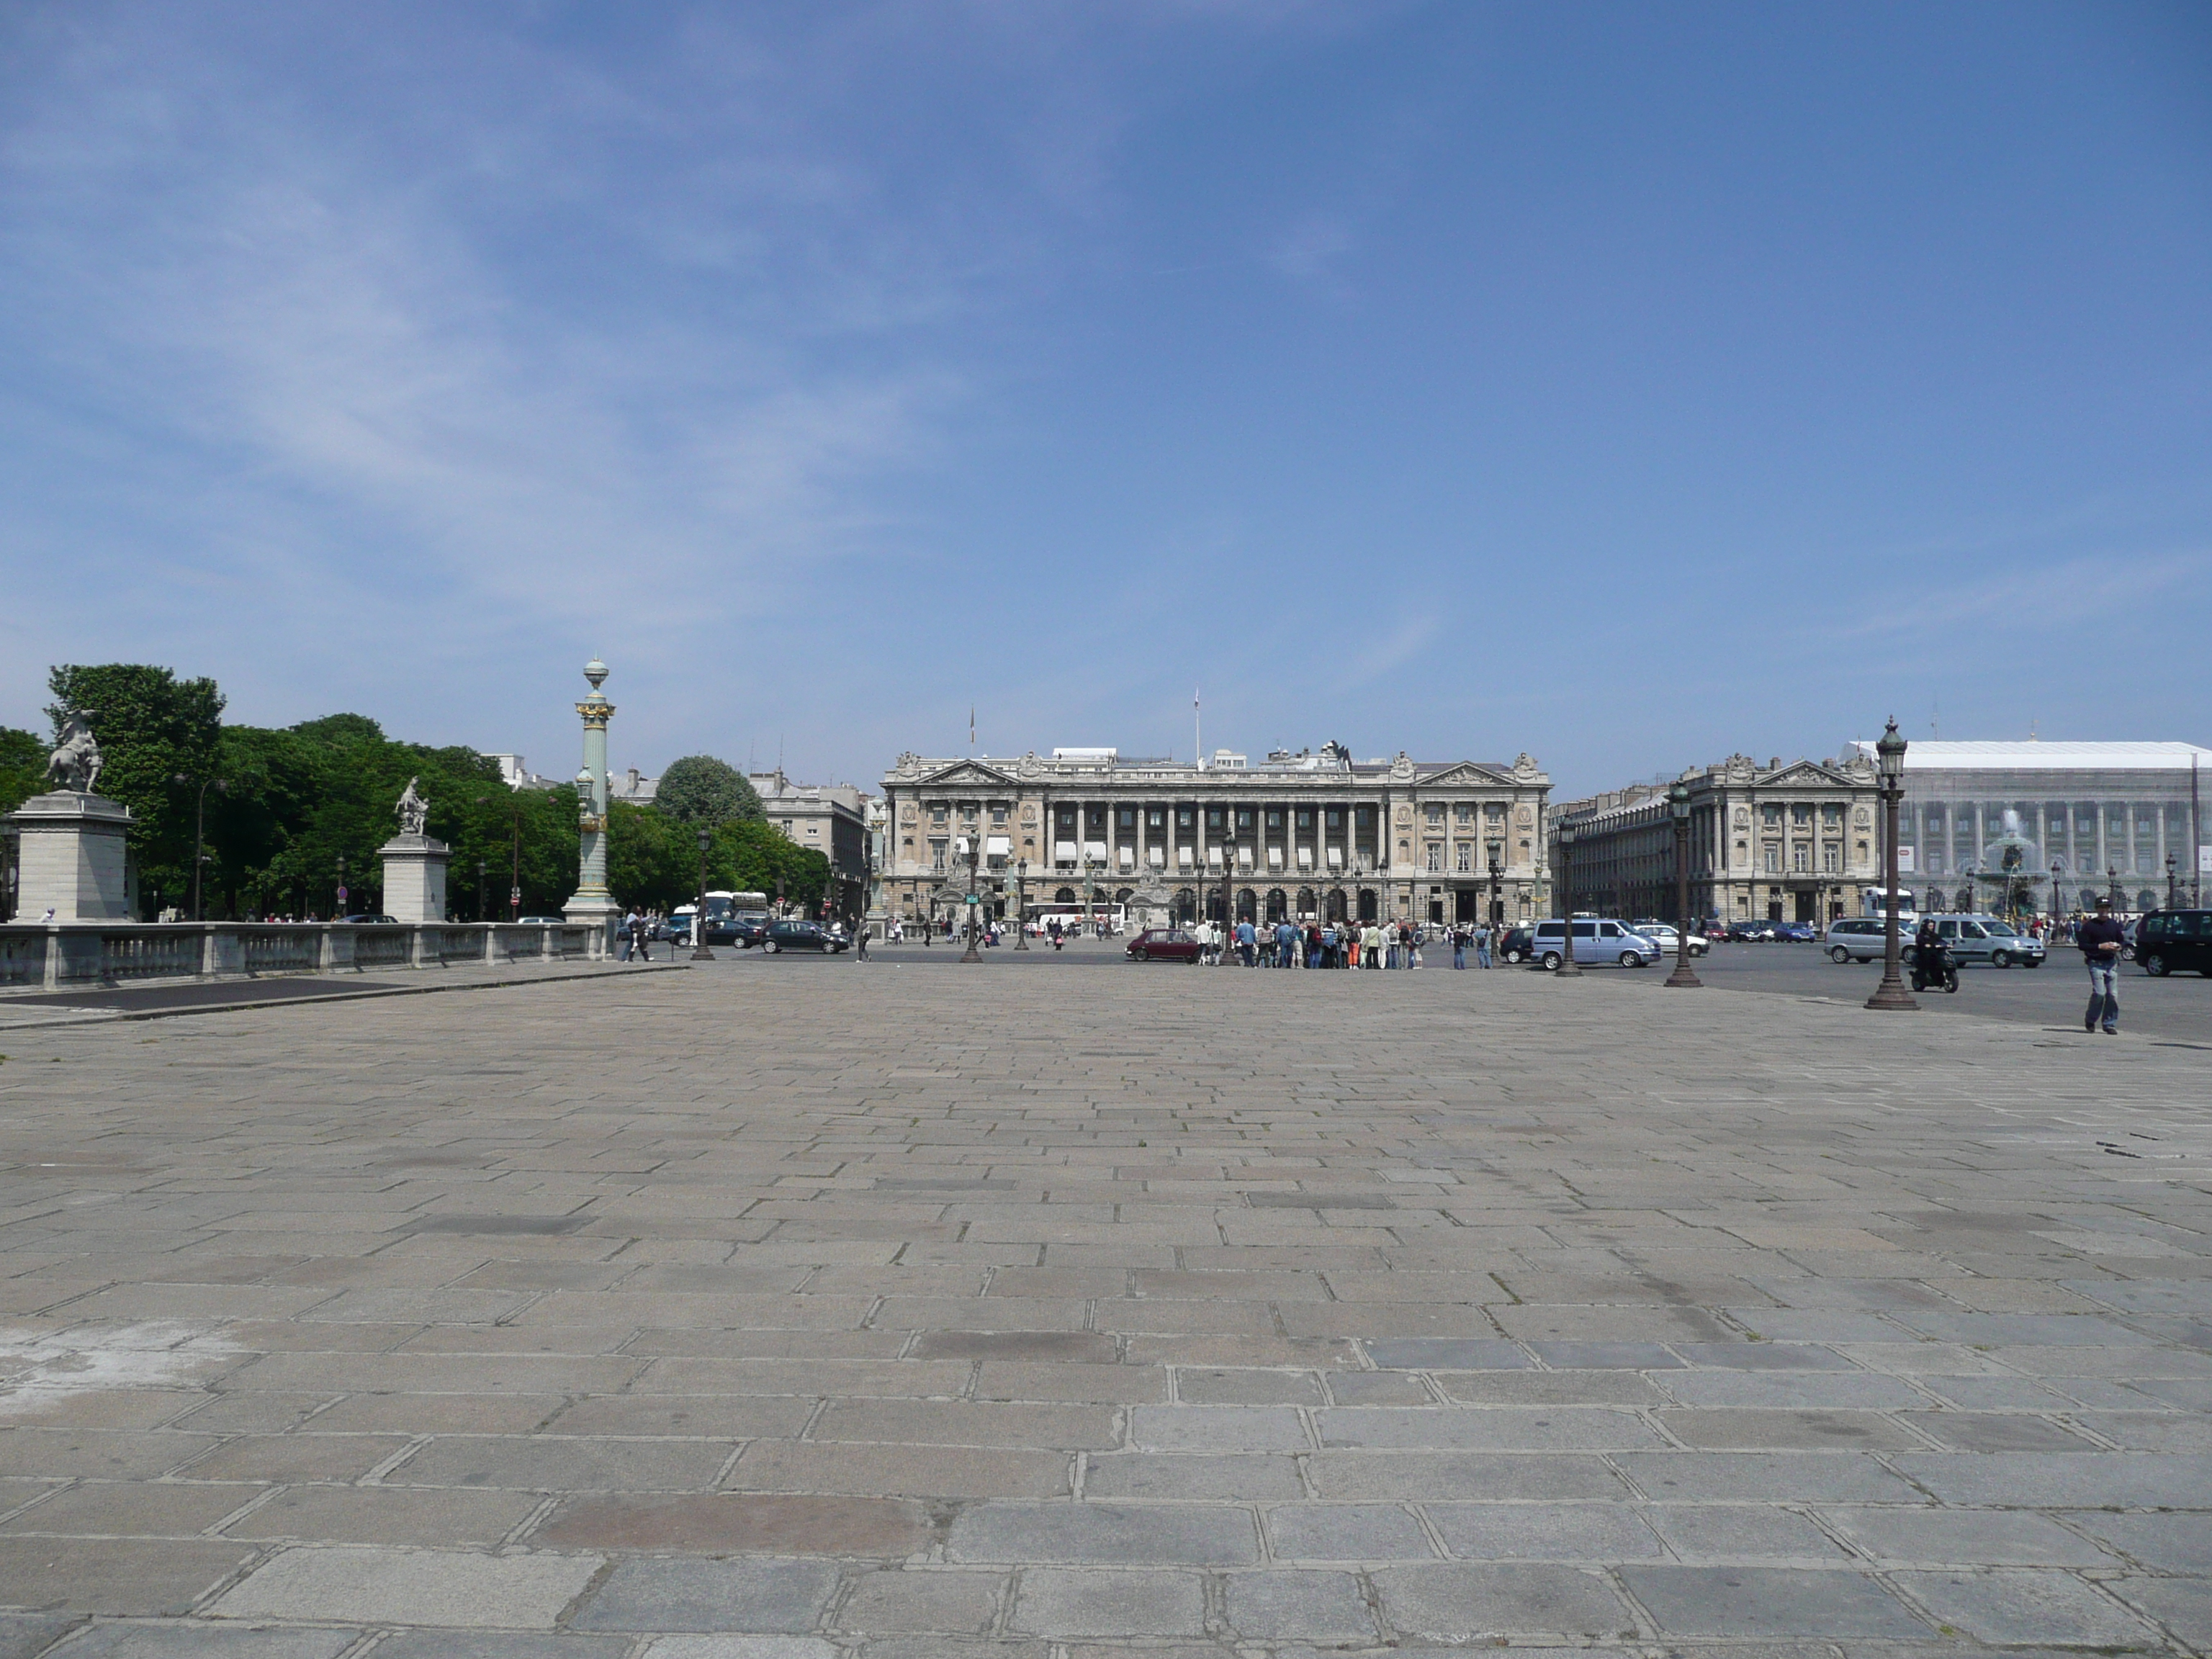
x=77, y=956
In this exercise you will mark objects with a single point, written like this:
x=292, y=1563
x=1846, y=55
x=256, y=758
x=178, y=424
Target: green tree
x=700, y=789
x=22, y=767
x=652, y=861
x=151, y=726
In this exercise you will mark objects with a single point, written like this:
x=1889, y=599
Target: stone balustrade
x=79, y=955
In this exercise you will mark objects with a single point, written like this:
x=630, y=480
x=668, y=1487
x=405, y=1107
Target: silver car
x=1987, y=938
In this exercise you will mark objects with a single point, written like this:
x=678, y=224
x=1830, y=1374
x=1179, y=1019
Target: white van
x=1597, y=940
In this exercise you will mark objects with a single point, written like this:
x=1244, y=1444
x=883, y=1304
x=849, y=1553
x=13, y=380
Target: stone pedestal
x=72, y=858
x=415, y=878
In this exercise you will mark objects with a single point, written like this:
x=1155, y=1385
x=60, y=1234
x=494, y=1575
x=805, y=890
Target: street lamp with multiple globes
x=1021, y=904
x=1889, y=754
x=1678, y=808
x=1568, y=968
x=700, y=952
x=974, y=900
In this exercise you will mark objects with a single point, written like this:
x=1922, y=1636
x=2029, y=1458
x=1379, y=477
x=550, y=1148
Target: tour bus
x=1078, y=918
x=728, y=915
x=1908, y=914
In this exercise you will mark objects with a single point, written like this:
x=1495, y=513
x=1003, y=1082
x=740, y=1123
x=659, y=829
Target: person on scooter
x=1930, y=959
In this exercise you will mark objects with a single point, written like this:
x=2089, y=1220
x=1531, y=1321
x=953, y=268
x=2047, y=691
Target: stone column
x=72, y=858
x=593, y=904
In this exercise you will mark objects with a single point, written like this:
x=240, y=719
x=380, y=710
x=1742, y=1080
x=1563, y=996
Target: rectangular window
x=1800, y=857
x=1466, y=857
x=1773, y=851
x=1799, y=815
x=937, y=856
x=1831, y=857
x=1437, y=857
x=1436, y=813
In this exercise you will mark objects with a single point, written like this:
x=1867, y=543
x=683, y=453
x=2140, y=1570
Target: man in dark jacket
x=2101, y=939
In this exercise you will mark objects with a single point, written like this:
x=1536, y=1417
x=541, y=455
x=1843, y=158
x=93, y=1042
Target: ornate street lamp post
x=199, y=825
x=699, y=949
x=481, y=897
x=2172, y=865
x=1021, y=904
x=1496, y=894
x=1567, y=968
x=1889, y=754
x=975, y=900
x=1678, y=808
x=2057, y=869
x=1228, y=884
x=2112, y=884
x=341, y=889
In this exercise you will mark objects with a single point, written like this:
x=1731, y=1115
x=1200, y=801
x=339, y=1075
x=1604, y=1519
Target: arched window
x=1063, y=896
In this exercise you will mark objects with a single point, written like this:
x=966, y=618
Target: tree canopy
x=22, y=767
x=700, y=789
x=152, y=727
x=653, y=860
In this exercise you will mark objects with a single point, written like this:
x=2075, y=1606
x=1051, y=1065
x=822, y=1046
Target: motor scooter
x=1942, y=970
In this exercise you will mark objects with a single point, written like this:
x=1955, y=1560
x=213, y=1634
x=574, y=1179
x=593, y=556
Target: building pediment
x=1467, y=775
x=1806, y=774
x=965, y=775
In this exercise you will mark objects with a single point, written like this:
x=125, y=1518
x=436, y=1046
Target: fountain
x=2013, y=866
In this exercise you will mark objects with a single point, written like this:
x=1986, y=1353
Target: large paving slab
x=1051, y=1310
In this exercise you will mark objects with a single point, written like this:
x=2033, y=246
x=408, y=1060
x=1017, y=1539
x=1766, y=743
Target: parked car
x=1666, y=938
x=1796, y=932
x=1987, y=938
x=1514, y=946
x=2169, y=939
x=800, y=936
x=1858, y=939
x=371, y=921
x=1597, y=940
x=1163, y=945
x=1750, y=932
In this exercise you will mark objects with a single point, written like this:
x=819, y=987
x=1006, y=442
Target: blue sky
x=1629, y=384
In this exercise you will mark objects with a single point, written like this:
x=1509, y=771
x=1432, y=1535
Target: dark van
x=2169, y=940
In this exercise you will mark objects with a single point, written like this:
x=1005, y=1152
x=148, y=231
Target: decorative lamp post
x=199, y=826
x=341, y=889
x=1678, y=808
x=974, y=900
x=2057, y=869
x=700, y=952
x=1889, y=754
x=1021, y=904
x=1497, y=893
x=1228, y=883
x=1567, y=968
x=2112, y=884
x=482, y=895
x=2172, y=866
x=593, y=902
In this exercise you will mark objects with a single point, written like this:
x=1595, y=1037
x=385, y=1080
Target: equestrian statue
x=74, y=765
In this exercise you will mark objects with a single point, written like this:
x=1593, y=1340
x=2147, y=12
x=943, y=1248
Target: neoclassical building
x=1795, y=842
x=1304, y=834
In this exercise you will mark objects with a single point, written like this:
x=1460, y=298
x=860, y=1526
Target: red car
x=1163, y=945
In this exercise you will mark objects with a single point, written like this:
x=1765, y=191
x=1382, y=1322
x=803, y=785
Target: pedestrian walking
x=630, y=933
x=2101, y=938
x=861, y=941
x=1458, y=946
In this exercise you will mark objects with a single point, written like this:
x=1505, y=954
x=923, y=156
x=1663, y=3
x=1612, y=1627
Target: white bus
x=1078, y=917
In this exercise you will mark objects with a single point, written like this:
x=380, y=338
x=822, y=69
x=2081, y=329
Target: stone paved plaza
x=811, y=1308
